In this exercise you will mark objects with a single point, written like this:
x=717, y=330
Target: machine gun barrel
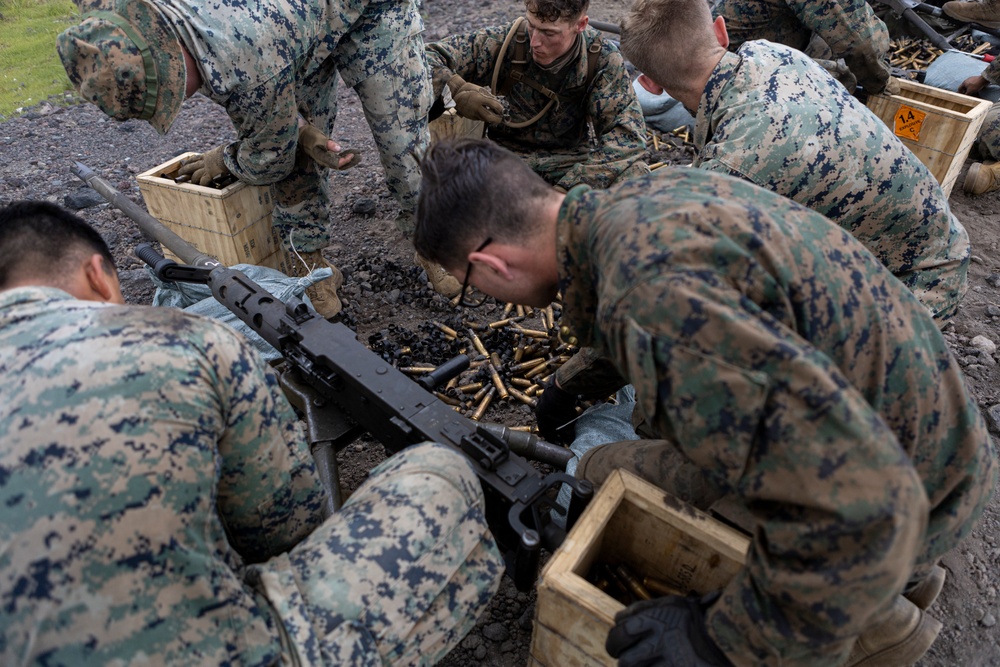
x=150, y=225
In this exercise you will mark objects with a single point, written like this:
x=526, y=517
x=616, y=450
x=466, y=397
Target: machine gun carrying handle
x=167, y=269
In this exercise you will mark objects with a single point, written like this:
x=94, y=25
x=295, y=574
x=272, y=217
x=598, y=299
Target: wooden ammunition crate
x=629, y=521
x=938, y=125
x=232, y=224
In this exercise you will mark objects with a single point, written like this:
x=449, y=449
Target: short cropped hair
x=39, y=239
x=553, y=10
x=665, y=39
x=472, y=190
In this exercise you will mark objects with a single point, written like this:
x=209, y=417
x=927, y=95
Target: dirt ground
x=387, y=299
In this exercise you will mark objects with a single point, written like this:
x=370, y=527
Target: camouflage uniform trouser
x=398, y=576
x=988, y=142
x=396, y=100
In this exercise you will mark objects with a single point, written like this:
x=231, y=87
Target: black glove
x=555, y=414
x=665, y=632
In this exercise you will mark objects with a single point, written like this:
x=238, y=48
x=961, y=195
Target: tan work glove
x=203, y=168
x=475, y=102
x=313, y=145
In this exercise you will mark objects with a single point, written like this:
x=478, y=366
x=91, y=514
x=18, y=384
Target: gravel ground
x=388, y=301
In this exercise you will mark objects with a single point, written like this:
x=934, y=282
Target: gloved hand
x=203, y=168
x=555, y=413
x=871, y=70
x=664, y=632
x=313, y=144
x=475, y=102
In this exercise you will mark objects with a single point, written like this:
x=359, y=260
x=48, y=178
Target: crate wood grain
x=232, y=224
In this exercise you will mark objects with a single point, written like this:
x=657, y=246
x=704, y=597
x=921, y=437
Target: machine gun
x=911, y=11
x=344, y=390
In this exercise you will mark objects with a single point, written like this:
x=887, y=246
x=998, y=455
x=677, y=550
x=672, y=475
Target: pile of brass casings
x=511, y=359
x=623, y=583
x=909, y=53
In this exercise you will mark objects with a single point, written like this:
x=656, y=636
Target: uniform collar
x=717, y=83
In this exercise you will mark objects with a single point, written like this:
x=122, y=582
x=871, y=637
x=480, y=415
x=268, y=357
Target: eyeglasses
x=462, y=299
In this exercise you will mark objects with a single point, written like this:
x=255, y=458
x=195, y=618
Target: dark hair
x=472, y=189
x=553, y=10
x=36, y=235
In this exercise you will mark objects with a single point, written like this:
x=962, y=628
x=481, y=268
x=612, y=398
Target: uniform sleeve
x=471, y=56
x=839, y=510
x=589, y=375
x=269, y=496
x=992, y=72
x=266, y=122
x=619, y=128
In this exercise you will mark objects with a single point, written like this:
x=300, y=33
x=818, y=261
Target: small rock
x=993, y=280
x=480, y=652
x=993, y=311
x=984, y=344
x=496, y=632
x=976, y=259
x=364, y=206
x=989, y=620
x=83, y=198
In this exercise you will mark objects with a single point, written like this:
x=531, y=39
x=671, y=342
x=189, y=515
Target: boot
x=982, y=177
x=985, y=13
x=925, y=593
x=324, y=293
x=896, y=638
x=442, y=281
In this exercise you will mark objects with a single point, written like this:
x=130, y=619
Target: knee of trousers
x=439, y=461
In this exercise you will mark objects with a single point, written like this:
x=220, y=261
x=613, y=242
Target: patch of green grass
x=30, y=69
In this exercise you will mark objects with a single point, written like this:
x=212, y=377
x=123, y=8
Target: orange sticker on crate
x=909, y=122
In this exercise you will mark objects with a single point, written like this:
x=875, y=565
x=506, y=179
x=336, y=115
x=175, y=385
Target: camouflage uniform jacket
x=148, y=456
x=777, y=354
x=609, y=104
x=261, y=60
x=992, y=72
x=849, y=27
x=775, y=118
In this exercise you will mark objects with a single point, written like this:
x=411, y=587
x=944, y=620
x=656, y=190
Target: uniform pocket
x=713, y=410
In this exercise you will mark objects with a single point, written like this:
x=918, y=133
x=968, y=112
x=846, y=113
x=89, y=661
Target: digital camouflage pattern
x=149, y=457
x=849, y=27
x=108, y=67
x=781, y=358
x=268, y=62
x=988, y=141
x=772, y=116
x=558, y=146
x=401, y=577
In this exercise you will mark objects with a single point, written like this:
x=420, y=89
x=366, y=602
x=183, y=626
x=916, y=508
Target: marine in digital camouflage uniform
x=267, y=63
x=558, y=146
x=772, y=116
x=849, y=27
x=772, y=350
x=160, y=506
